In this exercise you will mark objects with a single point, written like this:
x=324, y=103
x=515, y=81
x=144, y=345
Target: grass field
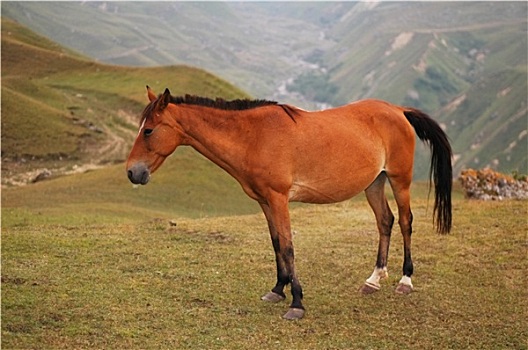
x=104, y=270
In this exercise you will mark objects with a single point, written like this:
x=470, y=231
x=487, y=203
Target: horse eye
x=147, y=132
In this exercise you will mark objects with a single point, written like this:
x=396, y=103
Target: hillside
x=65, y=113
x=465, y=63
x=443, y=57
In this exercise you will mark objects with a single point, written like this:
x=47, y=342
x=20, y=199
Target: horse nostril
x=138, y=174
x=145, y=177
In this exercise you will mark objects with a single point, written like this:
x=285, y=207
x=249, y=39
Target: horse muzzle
x=139, y=174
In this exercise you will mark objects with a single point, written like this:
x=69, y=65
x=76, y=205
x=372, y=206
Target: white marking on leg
x=376, y=276
x=407, y=281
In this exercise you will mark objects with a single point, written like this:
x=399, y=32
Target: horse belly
x=332, y=187
x=336, y=162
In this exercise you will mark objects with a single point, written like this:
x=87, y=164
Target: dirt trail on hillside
x=118, y=143
x=113, y=149
x=470, y=27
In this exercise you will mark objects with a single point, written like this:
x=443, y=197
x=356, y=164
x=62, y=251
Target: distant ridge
x=464, y=63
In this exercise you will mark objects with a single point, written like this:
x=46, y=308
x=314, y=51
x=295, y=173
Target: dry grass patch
x=197, y=284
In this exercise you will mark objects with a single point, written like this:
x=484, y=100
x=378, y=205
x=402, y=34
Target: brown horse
x=279, y=153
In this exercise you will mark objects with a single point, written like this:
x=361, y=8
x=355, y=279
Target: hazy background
x=465, y=63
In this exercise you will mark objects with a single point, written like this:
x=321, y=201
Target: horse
x=279, y=153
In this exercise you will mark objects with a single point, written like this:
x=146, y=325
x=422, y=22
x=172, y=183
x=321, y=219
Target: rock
x=487, y=184
x=43, y=175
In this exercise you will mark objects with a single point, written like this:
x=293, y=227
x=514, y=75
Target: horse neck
x=216, y=134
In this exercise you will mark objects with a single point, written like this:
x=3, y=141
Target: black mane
x=220, y=103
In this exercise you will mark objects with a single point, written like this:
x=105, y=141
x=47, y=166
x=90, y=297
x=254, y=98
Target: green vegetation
x=184, y=184
x=315, y=86
x=484, y=126
x=436, y=89
x=61, y=110
x=90, y=262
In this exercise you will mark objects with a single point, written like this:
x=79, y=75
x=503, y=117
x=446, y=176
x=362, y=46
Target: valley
x=453, y=60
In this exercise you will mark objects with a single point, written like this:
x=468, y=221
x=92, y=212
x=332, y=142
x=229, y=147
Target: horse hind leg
x=385, y=219
x=401, y=189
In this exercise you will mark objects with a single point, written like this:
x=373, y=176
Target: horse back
x=339, y=152
x=363, y=125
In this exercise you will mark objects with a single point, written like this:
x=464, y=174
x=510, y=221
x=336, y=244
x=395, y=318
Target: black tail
x=441, y=172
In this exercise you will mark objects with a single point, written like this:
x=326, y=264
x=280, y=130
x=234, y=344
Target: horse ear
x=164, y=99
x=151, y=95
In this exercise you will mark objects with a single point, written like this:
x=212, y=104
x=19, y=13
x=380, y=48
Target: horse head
x=159, y=135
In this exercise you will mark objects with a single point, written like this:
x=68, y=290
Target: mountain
x=234, y=44
x=65, y=112
x=465, y=63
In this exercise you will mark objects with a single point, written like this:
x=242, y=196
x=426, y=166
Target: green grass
x=187, y=184
x=104, y=270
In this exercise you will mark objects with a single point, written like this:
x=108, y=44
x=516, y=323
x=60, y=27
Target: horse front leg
x=278, y=217
x=277, y=293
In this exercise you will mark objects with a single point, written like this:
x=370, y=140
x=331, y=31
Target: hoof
x=368, y=289
x=273, y=297
x=294, y=314
x=404, y=289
